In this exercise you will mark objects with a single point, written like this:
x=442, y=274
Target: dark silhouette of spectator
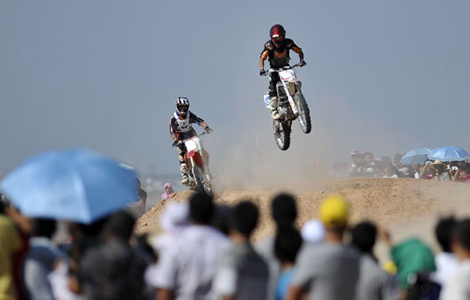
x=242, y=274
x=374, y=283
x=286, y=247
x=114, y=270
x=284, y=214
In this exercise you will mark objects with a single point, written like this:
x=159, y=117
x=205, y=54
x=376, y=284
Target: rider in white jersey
x=181, y=128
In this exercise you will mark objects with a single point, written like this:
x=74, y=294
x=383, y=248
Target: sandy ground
x=405, y=207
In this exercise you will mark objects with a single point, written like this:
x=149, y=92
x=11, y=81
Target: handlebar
x=199, y=135
x=272, y=70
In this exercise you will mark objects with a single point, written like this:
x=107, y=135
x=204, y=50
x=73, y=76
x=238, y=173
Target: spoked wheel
x=202, y=182
x=281, y=134
x=304, y=113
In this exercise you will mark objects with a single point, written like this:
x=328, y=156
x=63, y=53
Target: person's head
x=43, y=227
x=287, y=244
x=363, y=236
x=182, y=106
x=368, y=157
x=284, y=209
x=397, y=158
x=439, y=166
x=461, y=239
x=221, y=219
x=334, y=212
x=174, y=216
x=119, y=225
x=201, y=208
x=277, y=33
x=168, y=188
x=244, y=218
x=443, y=232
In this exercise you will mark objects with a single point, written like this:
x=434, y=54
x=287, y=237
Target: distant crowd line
x=366, y=165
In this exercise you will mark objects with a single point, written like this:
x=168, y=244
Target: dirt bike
x=197, y=164
x=291, y=104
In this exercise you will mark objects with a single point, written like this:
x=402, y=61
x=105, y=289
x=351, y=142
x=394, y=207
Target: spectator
x=457, y=286
x=221, y=219
x=10, y=243
x=440, y=170
x=100, y=273
x=411, y=257
x=168, y=191
x=284, y=214
x=188, y=267
x=173, y=220
x=390, y=171
x=286, y=247
x=242, y=273
x=329, y=270
x=374, y=283
x=446, y=261
x=357, y=163
x=461, y=174
x=39, y=260
x=396, y=160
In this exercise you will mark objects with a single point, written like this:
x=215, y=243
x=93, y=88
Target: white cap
x=313, y=231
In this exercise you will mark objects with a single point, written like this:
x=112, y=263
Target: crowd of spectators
x=205, y=251
x=366, y=165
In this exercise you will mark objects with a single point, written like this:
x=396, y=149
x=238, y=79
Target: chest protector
x=183, y=125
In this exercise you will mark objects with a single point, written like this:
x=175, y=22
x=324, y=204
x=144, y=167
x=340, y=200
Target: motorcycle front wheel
x=281, y=134
x=304, y=113
x=202, y=184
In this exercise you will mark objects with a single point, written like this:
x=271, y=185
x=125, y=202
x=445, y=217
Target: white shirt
x=457, y=286
x=189, y=266
x=445, y=266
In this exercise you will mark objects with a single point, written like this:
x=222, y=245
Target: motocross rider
x=181, y=129
x=277, y=51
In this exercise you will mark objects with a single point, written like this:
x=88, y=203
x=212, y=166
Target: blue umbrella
x=449, y=153
x=77, y=185
x=416, y=156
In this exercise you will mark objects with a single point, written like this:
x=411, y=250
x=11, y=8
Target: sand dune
x=406, y=207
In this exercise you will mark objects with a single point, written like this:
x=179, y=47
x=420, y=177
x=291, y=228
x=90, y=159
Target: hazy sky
x=382, y=76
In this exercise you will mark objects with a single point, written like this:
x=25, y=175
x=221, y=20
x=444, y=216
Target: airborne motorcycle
x=197, y=164
x=291, y=104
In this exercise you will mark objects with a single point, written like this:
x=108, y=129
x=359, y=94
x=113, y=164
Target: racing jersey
x=181, y=126
x=279, y=57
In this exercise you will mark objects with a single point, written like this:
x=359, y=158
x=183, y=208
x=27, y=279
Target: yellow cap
x=390, y=268
x=334, y=211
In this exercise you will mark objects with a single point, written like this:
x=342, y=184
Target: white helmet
x=182, y=105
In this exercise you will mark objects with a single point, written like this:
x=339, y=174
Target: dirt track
x=406, y=207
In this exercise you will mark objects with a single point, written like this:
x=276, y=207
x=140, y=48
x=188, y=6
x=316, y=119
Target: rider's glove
x=208, y=129
x=177, y=143
x=302, y=63
x=262, y=72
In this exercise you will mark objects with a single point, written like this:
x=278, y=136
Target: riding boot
x=273, y=107
x=184, y=174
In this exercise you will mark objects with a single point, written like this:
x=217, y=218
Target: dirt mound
x=405, y=206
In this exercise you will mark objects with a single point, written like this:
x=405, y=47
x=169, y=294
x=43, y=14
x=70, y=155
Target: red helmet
x=277, y=34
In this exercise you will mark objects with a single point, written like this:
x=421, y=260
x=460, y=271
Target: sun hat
x=313, y=231
x=334, y=211
x=438, y=162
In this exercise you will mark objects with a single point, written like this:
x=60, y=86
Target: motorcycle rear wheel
x=201, y=184
x=304, y=113
x=282, y=136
